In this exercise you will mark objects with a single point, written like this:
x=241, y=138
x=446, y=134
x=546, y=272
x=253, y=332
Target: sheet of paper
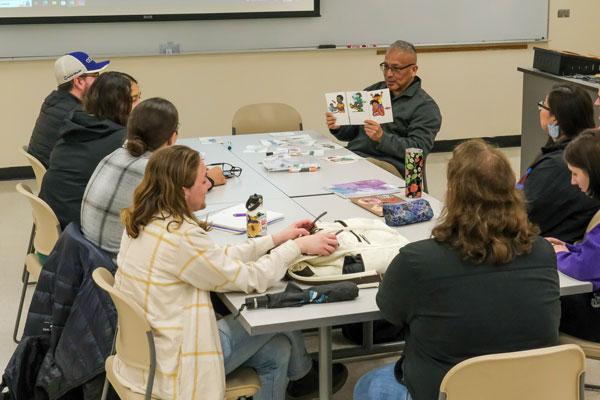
x=278, y=134
x=358, y=107
x=345, y=159
x=209, y=140
x=252, y=148
x=226, y=221
x=336, y=104
x=380, y=106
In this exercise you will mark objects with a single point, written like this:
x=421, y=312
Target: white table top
x=298, y=196
x=309, y=183
x=237, y=189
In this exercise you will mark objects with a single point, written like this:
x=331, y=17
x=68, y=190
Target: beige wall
x=478, y=92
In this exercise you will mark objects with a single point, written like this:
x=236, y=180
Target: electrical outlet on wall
x=564, y=13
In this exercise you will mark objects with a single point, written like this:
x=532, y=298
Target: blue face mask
x=553, y=131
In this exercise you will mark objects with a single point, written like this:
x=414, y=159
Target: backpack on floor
x=366, y=248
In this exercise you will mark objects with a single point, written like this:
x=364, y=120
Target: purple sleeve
x=581, y=261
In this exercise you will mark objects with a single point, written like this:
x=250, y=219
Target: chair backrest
x=38, y=168
x=551, y=373
x=133, y=330
x=265, y=118
x=47, y=227
x=385, y=165
x=593, y=222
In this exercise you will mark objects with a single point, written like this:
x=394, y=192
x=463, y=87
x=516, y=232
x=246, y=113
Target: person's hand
x=216, y=174
x=558, y=248
x=555, y=241
x=293, y=231
x=331, y=119
x=557, y=245
x=373, y=130
x=322, y=244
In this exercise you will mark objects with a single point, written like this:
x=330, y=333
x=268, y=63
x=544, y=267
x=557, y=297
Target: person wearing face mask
x=558, y=208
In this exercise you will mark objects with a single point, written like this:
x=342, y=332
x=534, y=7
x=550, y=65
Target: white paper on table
x=253, y=148
x=329, y=146
x=345, y=159
x=225, y=220
x=337, y=105
x=210, y=140
x=276, y=134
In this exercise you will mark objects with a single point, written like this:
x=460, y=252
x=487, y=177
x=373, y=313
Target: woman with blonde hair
x=484, y=283
x=169, y=264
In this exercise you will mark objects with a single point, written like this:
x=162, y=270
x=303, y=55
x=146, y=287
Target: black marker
x=326, y=46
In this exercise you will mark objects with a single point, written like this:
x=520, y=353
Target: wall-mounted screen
x=65, y=11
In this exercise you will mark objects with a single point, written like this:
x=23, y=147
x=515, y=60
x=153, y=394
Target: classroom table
x=313, y=183
x=237, y=189
x=302, y=195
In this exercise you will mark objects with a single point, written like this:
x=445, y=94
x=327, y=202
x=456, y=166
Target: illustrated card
x=358, y=107
x=380, y=106
x=337, y=105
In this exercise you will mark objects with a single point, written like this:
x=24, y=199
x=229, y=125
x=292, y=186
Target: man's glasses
x=395, y=70
x=229, y=171
x=542, y=106
x=90, y=75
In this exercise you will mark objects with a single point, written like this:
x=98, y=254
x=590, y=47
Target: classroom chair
x=266, y=118
x=590, y=349
x=393, y=170
x=39, y=170
x=550, y=373
x=134, y=343
x=47, y=231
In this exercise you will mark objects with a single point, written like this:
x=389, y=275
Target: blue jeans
x=275, y=357
x=380, y=384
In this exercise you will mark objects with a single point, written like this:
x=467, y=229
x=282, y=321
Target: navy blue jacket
x=82, y=315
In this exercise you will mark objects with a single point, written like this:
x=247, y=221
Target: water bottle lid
x=254, y=202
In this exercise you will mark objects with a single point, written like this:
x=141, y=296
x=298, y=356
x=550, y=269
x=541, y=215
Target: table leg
x=325, y=363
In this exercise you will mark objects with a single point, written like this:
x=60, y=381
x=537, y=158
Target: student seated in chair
x=580, y=315
x=153, y=124
x=169, y=264
x=557, y=207
x=485, y=283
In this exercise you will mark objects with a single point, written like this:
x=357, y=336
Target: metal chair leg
x=20, y=310
x=30, y=249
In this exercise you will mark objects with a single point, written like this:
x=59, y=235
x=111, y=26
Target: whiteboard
x=342, y=22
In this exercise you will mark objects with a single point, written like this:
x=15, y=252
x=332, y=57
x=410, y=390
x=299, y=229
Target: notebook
x=224, y=220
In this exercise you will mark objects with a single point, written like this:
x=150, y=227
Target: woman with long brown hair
x=485, y=283
x=169, y=264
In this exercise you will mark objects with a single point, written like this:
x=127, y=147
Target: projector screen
x=65, y=11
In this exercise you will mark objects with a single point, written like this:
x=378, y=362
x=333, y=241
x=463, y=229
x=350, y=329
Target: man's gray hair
x=401, y=45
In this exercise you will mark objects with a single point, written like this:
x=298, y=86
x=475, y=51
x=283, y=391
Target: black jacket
x=560, y=209
x=82, y=316
x=55, y=109
x=85, y=140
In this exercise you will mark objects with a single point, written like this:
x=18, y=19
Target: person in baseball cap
x=75, y=64
x=74, y=72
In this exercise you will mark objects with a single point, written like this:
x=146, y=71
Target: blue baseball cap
x=71, y=65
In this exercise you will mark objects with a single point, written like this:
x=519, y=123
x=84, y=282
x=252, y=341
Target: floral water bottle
x=256, y=217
